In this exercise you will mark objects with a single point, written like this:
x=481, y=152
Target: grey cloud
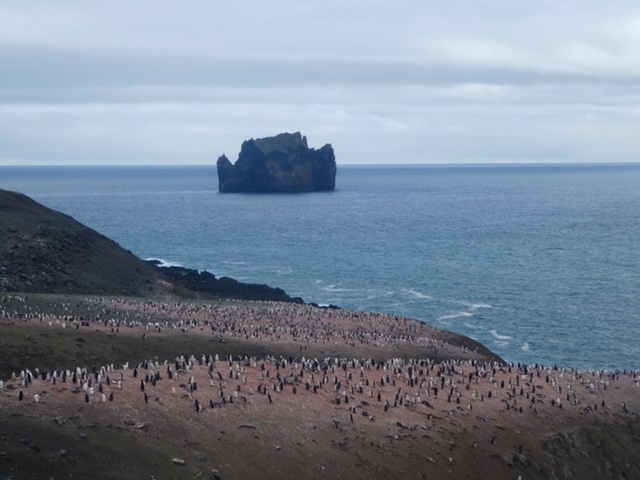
x=402, y=82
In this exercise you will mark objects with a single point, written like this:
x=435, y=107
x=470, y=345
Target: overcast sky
x=159, y=82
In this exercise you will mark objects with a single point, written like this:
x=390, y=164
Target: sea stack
x=280, y=164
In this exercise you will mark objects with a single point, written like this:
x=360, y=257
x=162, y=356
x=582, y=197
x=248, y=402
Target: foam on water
x=453, y=316
x=163, y=263
x=471, y=305
x=419, y=295
x=500, y=337
x=284, y=271
x=479, y=306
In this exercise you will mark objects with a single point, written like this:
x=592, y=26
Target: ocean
x=541, y=263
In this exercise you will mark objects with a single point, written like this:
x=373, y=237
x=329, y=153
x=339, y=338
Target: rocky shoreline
x=206, y=284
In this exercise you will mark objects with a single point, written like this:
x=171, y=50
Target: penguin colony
x=261, y=321
x=462, y=385
x=364, y=389
x=403, y=393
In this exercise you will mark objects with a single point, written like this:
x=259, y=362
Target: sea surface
x=541, y=263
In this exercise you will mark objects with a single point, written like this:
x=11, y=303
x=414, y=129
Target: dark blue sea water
x=540, y=263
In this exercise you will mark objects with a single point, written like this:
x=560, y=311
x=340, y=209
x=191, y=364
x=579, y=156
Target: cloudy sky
x=159, y=82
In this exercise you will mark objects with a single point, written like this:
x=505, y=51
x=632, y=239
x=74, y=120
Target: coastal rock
x=283, y=163
x=206, y=283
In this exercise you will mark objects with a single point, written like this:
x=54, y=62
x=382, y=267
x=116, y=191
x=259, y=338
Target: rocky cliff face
x=283, y=163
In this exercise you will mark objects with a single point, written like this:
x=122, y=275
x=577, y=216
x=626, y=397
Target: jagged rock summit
x=283, y=163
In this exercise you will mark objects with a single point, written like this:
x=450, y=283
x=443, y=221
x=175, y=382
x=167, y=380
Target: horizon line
x=348, y=165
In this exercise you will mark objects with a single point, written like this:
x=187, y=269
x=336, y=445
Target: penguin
x=86, y=397
x=111, y=397
x=20, y=396
x=198, y=406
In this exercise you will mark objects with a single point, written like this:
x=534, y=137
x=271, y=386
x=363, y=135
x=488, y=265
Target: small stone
x=64, y=453
x=202, y=457
x=178, y=461
x=59, y=420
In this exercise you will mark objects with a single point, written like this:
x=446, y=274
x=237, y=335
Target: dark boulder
x=283, y=163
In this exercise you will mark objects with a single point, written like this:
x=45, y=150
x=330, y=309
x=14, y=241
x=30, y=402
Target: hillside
x=42, y=250
x=45, y=251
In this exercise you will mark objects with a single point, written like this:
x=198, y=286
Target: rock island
x=279, y=164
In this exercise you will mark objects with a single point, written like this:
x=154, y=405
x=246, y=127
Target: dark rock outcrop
x=206, y=283
x=283, y=163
